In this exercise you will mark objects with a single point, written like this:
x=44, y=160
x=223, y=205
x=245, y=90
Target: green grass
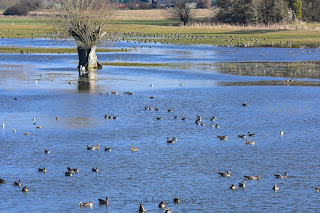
x=29, y=27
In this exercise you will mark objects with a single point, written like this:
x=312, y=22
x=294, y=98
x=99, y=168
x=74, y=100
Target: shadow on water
x=87, y=81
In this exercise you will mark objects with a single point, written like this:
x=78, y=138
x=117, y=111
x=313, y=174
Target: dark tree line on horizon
x=267, y=11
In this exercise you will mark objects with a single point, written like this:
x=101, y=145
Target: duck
x=223, y=137
x=157, y=109
x=46, y=151
x=96, y=147
x=275, y=187
x=213, y=118
x=25, y=189
x=102, y=201
x=107, y=149
x=245, y=104
x=3, y=125
x=176, y=200
x=17, y=183
x=184, y=119
x=159, y=118
x=44, y=170
x=252, y=177
x=281, y=132
x=243, y=184
x=233, y=186
x=170, y=141
x=251, y=134
x=242, y=136
x=225, y=174
x=170, y=110
x=176, y=116
x=250, y=142
x=141, y=208
x=14, y=130
x=95, y=169
x=282, y=176
x=217, y=126
x=87, y=204
x=162, y=205
x=2, y=181
x=318, y=189
x=75, y=170
x=134, y=149
x=89, y=147
x=168, y=210
x=68, y=174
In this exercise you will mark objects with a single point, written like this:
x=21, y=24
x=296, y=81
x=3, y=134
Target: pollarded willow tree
x=85, y=21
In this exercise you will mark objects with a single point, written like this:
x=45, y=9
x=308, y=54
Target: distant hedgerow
x=17, y=10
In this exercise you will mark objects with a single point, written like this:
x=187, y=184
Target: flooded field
x=47, y=86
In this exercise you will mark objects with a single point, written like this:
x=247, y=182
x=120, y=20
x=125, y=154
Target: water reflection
x=87, y=81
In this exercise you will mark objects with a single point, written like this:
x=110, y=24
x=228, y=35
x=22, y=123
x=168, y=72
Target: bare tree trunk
x=88, y=58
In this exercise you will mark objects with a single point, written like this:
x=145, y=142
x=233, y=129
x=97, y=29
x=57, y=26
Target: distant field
x=159, y=25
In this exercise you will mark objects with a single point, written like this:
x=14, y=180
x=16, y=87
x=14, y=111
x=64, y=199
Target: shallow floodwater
x=48, y=86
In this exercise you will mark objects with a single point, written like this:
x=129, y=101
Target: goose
x=95, y=169
x=282, y=176
x=245, y=104
x=233, y=186
x=250, y=142
x=44, y=170
x=251, y=134
x=176, y=200
x=17, y=183
x=107, y=149
x=226, y=174
x=87, y=204
x=162, y=205
x=252, y=177
x=46, y=151
x=2, y=181
x=141, y=208
x=96, y=147
x=25, y=189
x=168, y=210
x=102, y=201
x=134, y=149
x=243, y=184
x=275, y=187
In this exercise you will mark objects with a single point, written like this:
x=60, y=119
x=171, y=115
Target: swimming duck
x=318, y=189
x=46, y=151
x=157, y=109
x=223, y=137
x=68, y=174
x=162, y=205
x=134, y=149
x=275, y=187
x=233, y=186
x=107, y=149
x=170, y=141
x=95, y=169
x=159, y=118
x=184, y=119
x=176, y=200
x=242, y=136
x=282, y=176
x=17, y=183
x=217, y=126
x=243, y=184
x=88, y=204
x=213, y=118
x=169, y=110
x=89, y=147
x=102, y=201
x=251, y=134
x=2, y=181
x=250, y=142
x=3, y=125
x=202, y=124
x=245, y=104
x=281, y=132
x=227, y=174
x=168, y=210
x=76, y=170
x=44, y=170
x=25, y=189
x=252, y=177
x=176, y=116
x=141, y=208
x=14, y=130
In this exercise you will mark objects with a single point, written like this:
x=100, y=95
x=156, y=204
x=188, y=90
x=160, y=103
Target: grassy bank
x=156, y=25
